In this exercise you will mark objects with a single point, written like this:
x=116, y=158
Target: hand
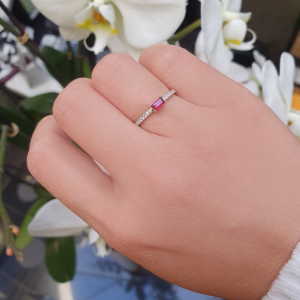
x=205, y=194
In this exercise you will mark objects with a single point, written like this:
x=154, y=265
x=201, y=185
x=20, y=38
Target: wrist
x=278, y=230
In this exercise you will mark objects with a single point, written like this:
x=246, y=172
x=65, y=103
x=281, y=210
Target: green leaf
x=11, y=113
x=28, y=6
x=61, y=258
x=24, y=239
x=43, y=193
x=87, y=73
x=42, y=103
x=67, y=67
x=52, y=54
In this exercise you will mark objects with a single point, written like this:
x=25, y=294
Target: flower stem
x=10, y=241
x=36, y=52
x=12, y=18
x=184, y=32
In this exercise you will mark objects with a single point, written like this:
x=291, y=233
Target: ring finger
x=131, y=88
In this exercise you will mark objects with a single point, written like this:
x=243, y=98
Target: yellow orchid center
x=235, y=42
x=97, y=19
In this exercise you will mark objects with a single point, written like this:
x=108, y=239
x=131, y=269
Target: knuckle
x=124, y=234
x=44, y=121
x=161, y=58
x=68, y=99
x=106, y=69
x=36, y=157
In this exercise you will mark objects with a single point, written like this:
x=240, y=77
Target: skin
x=205, y=194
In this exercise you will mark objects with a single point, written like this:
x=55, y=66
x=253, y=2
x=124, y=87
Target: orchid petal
x=235, y=5
x=257, y=71
x=230, y=54
x=97, y=3
x=101, y=248
x=238, y=73
x=108, y=12
x=286, y=77
x=61, y=12
x=259, y=58
x=102, y=34
x=132, y=51
x=147, y=22
x=73, y=34
x=93, y=236
x=55, y=220
x=115, y=45
x=230, y=16
x=84, y=15
x=295, y=128
x=235, y=31
x=225, y=4
x=277, y=107
x=199, y=47
x=252, y=87
x=245, y=46
x=271, y=93
x=294, y=116
x=211, y=23
x=215, y=49
x=241, y=47
x=119, y=43
x=219, y=58
x=245, y=16
x=270, y=81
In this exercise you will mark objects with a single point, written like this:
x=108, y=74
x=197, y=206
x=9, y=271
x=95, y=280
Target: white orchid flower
x=235, y=25
x=55, y=220
x=224, y=28
x=257, y=66
x=140, y=23
x=278, y=91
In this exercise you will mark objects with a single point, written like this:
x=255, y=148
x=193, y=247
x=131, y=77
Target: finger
x=68, y=173
x=194, y=80
x=98, y=127
x=132, y=88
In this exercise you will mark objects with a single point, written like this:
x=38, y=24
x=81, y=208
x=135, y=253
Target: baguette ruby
x=157, y=104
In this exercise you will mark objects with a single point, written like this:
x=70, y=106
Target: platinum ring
x=154, y=107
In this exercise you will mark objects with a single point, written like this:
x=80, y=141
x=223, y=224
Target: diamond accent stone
x=168, y=95
x=156, y=105
x=144, y=116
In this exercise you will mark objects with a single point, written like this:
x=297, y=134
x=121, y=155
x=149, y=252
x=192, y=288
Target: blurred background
x=277, y=24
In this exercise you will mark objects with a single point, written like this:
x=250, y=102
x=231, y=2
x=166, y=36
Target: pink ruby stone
x=157, y=104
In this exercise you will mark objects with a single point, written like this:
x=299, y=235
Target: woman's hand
x=205, y=194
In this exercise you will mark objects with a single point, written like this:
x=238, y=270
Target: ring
x=155, y=106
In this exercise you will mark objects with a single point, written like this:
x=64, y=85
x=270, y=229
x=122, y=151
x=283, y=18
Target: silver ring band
x=154, y=107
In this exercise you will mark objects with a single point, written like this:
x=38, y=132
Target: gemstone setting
x=158, y=103
x=154, y=107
